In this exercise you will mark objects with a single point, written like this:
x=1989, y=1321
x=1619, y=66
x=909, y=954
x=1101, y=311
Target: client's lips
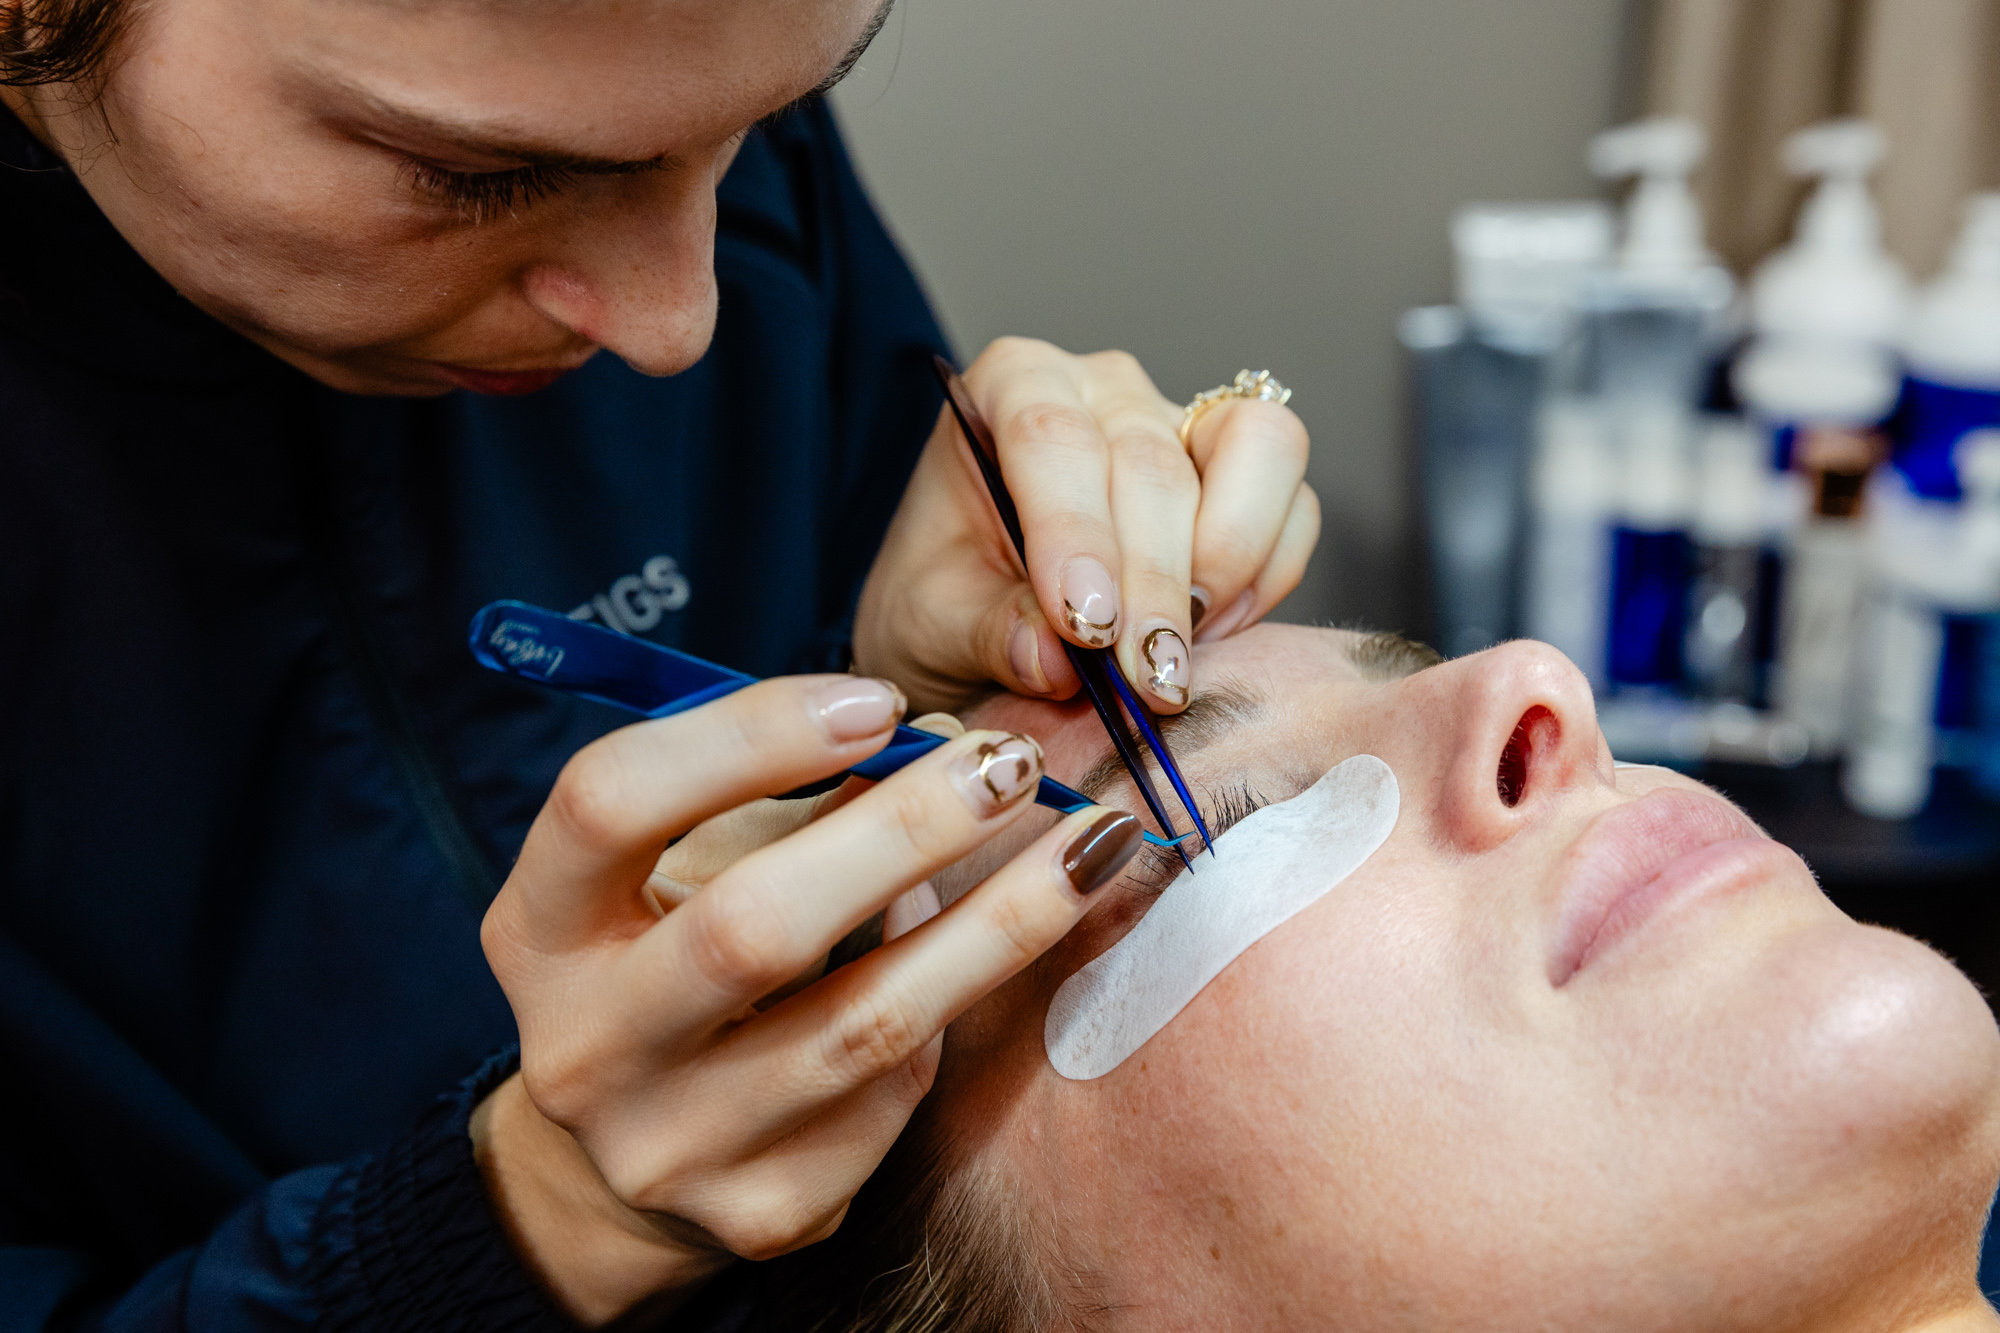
x=507, y=382
x=1637, y=858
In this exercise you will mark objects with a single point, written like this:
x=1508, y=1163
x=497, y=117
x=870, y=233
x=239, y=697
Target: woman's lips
x=1634, y=860
x=508, y=382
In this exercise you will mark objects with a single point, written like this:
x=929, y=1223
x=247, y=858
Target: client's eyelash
x=1156, y=867
x=482, y=195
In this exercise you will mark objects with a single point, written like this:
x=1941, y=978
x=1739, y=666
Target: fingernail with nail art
x=998, y=772
x=1090, y=602
x=1168, y=669
x=855, y=709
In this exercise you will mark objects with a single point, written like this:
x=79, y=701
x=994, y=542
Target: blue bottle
x=1942, y=457
x=1651, y=319
x=1651, y=556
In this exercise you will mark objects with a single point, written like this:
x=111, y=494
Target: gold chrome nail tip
x=992, y=755
x=1162, y=681
x=1093, y=633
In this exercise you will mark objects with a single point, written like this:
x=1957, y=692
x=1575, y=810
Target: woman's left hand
x=1131, y=538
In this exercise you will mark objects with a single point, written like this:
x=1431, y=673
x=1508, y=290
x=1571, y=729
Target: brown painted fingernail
x=855, y=709
x=1197, y=606
x=998, y=772
x=1095, y=856
x=1167, y=666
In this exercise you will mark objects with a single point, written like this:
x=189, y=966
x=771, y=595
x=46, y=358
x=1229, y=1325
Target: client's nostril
x=1512, y=778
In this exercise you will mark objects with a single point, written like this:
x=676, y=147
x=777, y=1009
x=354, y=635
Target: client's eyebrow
x=1385, y=656
x=1210, y=716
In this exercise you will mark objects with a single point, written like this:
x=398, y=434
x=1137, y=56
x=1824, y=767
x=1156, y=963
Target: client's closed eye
x=1156, y=867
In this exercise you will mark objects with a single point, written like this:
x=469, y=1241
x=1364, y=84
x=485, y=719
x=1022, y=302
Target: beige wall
x=1259, y=182
x=1754, y=71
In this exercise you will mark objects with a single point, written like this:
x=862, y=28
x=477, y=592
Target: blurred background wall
x=1214, y=186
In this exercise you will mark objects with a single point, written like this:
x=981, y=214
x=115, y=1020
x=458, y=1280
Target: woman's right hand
x=662, y=1122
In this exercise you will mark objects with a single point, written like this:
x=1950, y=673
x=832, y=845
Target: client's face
x=1577, y=1047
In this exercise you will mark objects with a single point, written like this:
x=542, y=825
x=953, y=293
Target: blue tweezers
x=1098, y=668
x=548, y=648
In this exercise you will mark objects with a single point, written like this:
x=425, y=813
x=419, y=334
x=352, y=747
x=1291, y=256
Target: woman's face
x=403, y=196
x=1578, y=1047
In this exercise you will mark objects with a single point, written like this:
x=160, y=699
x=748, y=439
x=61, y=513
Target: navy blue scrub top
x=255, y=796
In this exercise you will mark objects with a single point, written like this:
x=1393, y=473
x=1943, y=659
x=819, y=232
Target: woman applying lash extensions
x=301, y=311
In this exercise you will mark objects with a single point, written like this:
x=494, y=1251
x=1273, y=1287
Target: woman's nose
x=636, y=273
x=1523, y=732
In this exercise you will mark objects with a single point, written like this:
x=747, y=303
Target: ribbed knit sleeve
x=407, y=1242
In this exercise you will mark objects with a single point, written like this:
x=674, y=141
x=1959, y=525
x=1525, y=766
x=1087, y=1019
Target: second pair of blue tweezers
x=591, y=662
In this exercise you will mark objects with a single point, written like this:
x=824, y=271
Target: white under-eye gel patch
x=1266, y=870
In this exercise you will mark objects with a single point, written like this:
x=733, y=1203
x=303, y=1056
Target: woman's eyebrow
x=490, y=141
x=1214, y=713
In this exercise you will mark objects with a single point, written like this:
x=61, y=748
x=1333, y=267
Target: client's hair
x=932, y=1244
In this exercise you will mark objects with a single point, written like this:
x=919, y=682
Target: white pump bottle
x=1829, y=308
x=1662, y=244
x=1823, y=372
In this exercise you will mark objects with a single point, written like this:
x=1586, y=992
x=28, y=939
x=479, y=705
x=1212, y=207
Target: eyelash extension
x=1157, y=867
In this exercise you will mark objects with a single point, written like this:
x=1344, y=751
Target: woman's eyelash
x=480, y=196
x=1157, y=867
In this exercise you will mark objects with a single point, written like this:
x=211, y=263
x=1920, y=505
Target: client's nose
x=1522, y=730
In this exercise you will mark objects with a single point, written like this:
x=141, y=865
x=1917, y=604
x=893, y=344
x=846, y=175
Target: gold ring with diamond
x=1247, y=384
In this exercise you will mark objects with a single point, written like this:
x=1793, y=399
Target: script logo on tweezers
x=521, y=650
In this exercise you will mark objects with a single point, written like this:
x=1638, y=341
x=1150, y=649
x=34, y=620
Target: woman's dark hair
x=57, y=41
